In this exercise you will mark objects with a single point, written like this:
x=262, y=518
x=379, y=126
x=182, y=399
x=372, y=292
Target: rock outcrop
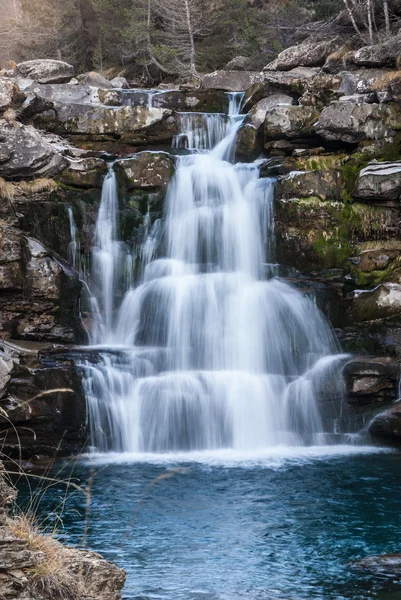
x=34, y=566
x=45, y=70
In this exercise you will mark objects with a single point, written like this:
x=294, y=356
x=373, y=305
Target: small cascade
x=200, y=131
x=74, y=245
x=111, y=262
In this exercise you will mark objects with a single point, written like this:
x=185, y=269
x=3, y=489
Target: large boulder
x=352, y=123
x=120, y=83
x=379, y=181
x=231, y=81
x=292, y=83
x=63, y=93
x=45, y=70
x=318, y=183
x=387, y=426
x=363, y=81
x=308, y=54
x=290, y=122
x=384, y=54
x=146, y=170
x=382, y=302
x=94, y=79
x=84, y=173
x=239, y=63
x=137, y=124
x=25, y=153
x=371, y=380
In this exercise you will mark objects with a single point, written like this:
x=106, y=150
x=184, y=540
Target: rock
x=352, y=123
x=120, y=83
x=387, y=565
x=380, y=181
x=371, y=380
x=64, y=93
x=291, y=83
x=290, y=122
x=84, y=173
x=257, y=114
x=302, y=184
x=384, y=54
x=6, y=367
x=239, y=63
x=194, y=100
x=377, y=262
x=137, y=124
x=146, y=170
x=110, y=98
x=231, y=81
x=361, y=81
x=96, y=80
x=320, y=90
x=309, y=54
x=249, y=143
x=387, y=426
x=45, y=70
x=382, y=302
x=25, y=153
x=10, y=95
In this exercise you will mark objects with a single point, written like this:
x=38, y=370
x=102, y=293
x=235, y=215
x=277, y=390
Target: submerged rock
x=45, y=70
x=387, y=565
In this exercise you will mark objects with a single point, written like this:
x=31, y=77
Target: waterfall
x=73, y=246
x=207, y=351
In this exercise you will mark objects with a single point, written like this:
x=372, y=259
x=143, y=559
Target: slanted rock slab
x=45, y=70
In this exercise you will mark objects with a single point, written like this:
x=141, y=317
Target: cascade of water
x=73, y=246
x=208, y=353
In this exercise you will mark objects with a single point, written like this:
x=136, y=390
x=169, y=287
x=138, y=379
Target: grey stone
x=45, y=70
x=379, y=181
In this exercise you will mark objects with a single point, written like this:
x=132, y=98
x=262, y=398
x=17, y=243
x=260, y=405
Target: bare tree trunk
x=353, y=21
x=192, y=57
x=386, y=16
x=370, y=22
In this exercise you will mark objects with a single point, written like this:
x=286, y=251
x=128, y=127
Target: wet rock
x=84, y=173
x=290, y=122
x=302, y=184
x=25, y=153
x=10, y=95
x=231, y=81
x=386, y=565
x=352, y=123
x=146, y=170
x=387, y=426
x=382, y=302
x=94, y=79
x=119, y=83
x=372, y=380
x=309, y=54
x=45, y=70
x=249, y=143
x=380, y=181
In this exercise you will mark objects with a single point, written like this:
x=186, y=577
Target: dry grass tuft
x=36, y=186
x=338, y=54
x=387, y=81
x=51, y=577
x=7, y=190
x=10, y=115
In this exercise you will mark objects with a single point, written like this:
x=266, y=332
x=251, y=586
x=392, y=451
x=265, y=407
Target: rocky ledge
x=34, y=566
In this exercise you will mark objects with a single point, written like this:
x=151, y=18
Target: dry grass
x=338, y=54
x=10, y=115
x=387, y=81
x=51, y=577
x=7, y=190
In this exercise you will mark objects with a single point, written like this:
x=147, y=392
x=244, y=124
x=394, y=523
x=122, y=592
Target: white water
x=207, y=354
x=74, y=245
